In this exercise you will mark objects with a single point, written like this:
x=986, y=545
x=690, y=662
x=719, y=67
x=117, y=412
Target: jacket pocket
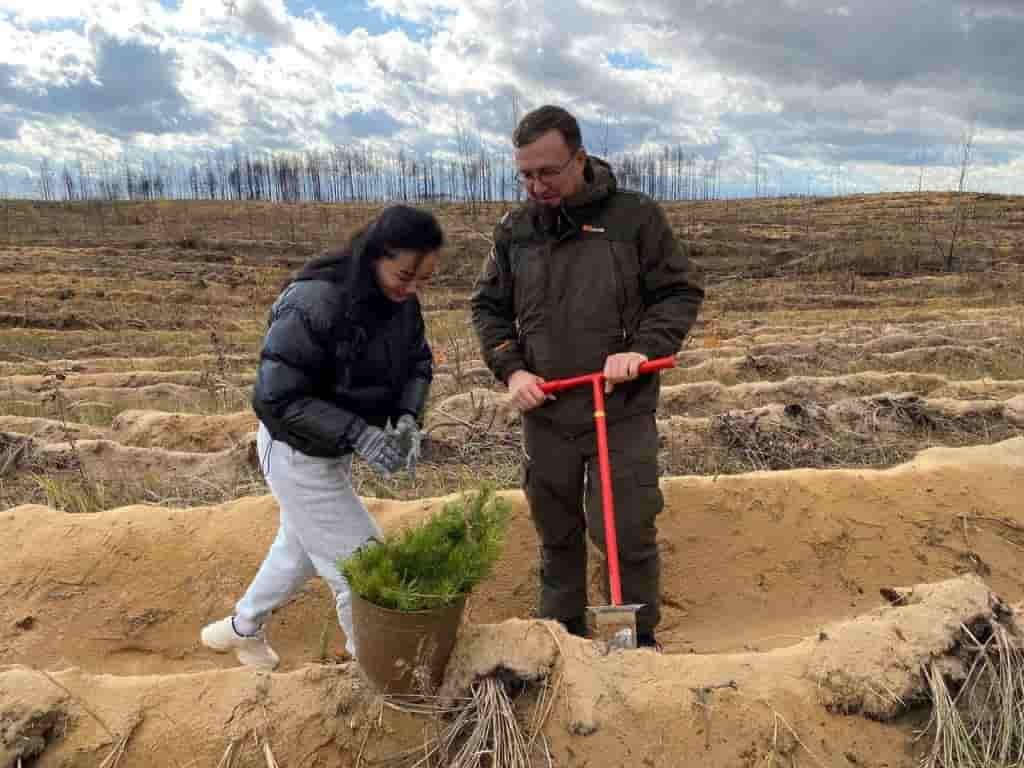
x=650, y=501
x=593, y=288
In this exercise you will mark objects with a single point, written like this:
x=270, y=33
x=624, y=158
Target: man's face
x=548, y=170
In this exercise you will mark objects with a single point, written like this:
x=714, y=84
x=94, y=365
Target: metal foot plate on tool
x=614, y=625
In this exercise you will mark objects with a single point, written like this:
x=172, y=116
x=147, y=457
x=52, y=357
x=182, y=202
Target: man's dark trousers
x=563, y=487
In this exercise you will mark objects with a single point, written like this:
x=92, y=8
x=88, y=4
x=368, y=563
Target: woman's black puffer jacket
x=339, y=355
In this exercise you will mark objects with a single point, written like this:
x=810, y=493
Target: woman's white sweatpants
x=321, y=519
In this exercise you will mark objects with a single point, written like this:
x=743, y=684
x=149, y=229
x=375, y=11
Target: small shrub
x=432, y=564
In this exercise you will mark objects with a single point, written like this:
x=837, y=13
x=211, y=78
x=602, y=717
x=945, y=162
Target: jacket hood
x=599, y=182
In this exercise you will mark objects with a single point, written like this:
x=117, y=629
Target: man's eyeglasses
x=543, y=175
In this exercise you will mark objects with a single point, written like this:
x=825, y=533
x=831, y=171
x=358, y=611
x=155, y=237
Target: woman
x=344, y=357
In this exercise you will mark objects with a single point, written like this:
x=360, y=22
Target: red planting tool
x=615, y=623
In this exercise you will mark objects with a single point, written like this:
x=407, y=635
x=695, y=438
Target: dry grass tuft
x=879, y=431
x=980, y=723
x=483, y=729
x=113, y=758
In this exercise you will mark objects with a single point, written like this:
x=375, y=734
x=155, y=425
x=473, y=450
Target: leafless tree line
x=473, y=174
x=671, y=174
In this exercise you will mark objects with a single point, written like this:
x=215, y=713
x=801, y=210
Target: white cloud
x=38, y=140
x=47, y=57
x=248, y=71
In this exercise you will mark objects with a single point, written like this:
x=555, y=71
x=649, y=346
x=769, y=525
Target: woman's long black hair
x=397, y=228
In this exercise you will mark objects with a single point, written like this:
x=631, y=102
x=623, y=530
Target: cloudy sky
x=864, y=91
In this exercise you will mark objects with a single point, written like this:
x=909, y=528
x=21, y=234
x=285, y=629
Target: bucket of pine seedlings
x=409, y=591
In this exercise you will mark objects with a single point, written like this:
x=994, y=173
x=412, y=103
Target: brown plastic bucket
x=405, y=652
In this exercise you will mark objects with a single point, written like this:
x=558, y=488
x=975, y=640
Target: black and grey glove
x=380, y=449
x=410, y=439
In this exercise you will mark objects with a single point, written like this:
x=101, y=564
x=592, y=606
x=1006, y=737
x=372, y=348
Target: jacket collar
x=599, y=183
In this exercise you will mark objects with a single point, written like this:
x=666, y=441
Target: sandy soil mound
x=980, y=389
x=888, y=336
x=86, y=365
x=749, y=561
x=153, y=396
x=453, y=418
x=871, y=431
x=50, y=430
x=106, y=460
x=90, y=473
x=776, y=361
x=121, y=380
x=817, y=353
x=879, y=430
x=944, y=354
x=802, y=703
x=707, y=398
x=898, y=342
x=732, y=367
x=183, y=431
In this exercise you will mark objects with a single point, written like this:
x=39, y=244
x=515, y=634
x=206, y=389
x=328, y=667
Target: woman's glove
x=410, y=438
x=380, y=449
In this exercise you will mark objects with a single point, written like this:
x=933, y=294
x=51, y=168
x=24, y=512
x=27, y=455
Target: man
x=584, y=277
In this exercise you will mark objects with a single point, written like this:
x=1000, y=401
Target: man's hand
x=380, y=449
x=524, y=390
x=620, y=367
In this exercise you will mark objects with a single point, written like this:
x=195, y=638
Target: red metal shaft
x=596, y=380
x=611, y=540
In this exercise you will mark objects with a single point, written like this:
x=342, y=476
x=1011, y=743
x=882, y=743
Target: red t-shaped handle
x=558, y=385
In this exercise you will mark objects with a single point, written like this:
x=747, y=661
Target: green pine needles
x=432, y=564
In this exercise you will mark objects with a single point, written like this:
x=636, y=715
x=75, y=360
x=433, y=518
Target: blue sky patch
x=630, y=60
x=55, y=25
x=347, y=15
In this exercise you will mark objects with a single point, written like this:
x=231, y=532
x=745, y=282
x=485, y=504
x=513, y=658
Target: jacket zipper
x=620, y=291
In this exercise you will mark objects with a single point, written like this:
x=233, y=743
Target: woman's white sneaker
x=251, y=650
